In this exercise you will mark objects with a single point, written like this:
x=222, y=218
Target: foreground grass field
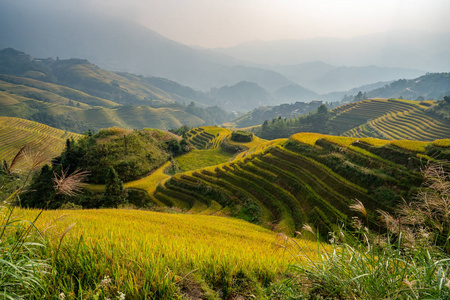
x=158, y=255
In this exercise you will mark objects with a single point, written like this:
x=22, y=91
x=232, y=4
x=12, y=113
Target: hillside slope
x=76, y=95
x=389, y=119
x=308, y=178
x=379, y=118
x=16, y=133
x=154, y=255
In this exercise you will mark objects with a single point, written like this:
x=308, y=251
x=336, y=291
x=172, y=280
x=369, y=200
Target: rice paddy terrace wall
x=389, y=119
x=212, y=137
x=16, y=133
x=309, y=178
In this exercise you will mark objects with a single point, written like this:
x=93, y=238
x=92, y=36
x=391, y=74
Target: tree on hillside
x=114, y=193
x=322, y=109
x=360, y=96
x=41, y=190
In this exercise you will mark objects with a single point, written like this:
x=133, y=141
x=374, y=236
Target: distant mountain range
x=427, y=51
x=121, y=45
x=319, y=65
x=433, y=86
x=325, y=78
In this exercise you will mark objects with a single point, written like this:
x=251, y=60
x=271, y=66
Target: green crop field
x=16, y=133
x=198, y=159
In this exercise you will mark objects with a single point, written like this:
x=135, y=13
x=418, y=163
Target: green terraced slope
x=389, y=119
x=308, y=178
x=16, y=133
x=207, y=137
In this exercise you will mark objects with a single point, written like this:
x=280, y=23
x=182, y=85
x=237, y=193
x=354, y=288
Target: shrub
x=241, y=136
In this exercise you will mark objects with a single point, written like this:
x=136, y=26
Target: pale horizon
x=226, y=23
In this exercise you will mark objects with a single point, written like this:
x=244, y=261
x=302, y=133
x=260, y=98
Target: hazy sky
x=223, y=23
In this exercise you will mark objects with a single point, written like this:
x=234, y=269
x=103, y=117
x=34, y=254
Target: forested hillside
x=431, y=86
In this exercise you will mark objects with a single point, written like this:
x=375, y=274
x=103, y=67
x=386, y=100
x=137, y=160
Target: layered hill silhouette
x=120, y=45
x=76, y=95
x=325, y=78
x=402, y=49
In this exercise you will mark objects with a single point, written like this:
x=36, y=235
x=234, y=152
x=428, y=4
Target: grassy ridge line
x=22, y=97
x=415, y=146
x=16, y=133
x=125, y=244
x=52, y=91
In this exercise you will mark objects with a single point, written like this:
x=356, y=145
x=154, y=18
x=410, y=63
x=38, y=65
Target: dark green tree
x=322, y=109
x=41, y=191
x=358, y=97
x=114, y=193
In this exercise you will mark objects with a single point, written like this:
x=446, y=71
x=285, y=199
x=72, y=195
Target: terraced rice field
x=390, y=119
x=16, y=133
x=293, y=185
x=207, y=137
x=283, y=184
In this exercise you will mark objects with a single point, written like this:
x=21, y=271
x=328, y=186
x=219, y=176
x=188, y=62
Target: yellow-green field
x=393, y=119
x=16, y=133
x=197, y=159
x=155, y=255
x=415, y=146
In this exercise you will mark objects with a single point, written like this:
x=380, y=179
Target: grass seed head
x=359, y=207
x=307, y=227
x=69, y=185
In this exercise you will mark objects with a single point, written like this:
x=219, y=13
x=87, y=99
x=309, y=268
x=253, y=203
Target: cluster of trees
x=63, y=121
x=212, y=115
x=442, y=110
x=111, y=157
x=284, y=127
x=241, y=136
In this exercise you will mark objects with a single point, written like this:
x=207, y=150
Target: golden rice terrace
x=389, y=119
